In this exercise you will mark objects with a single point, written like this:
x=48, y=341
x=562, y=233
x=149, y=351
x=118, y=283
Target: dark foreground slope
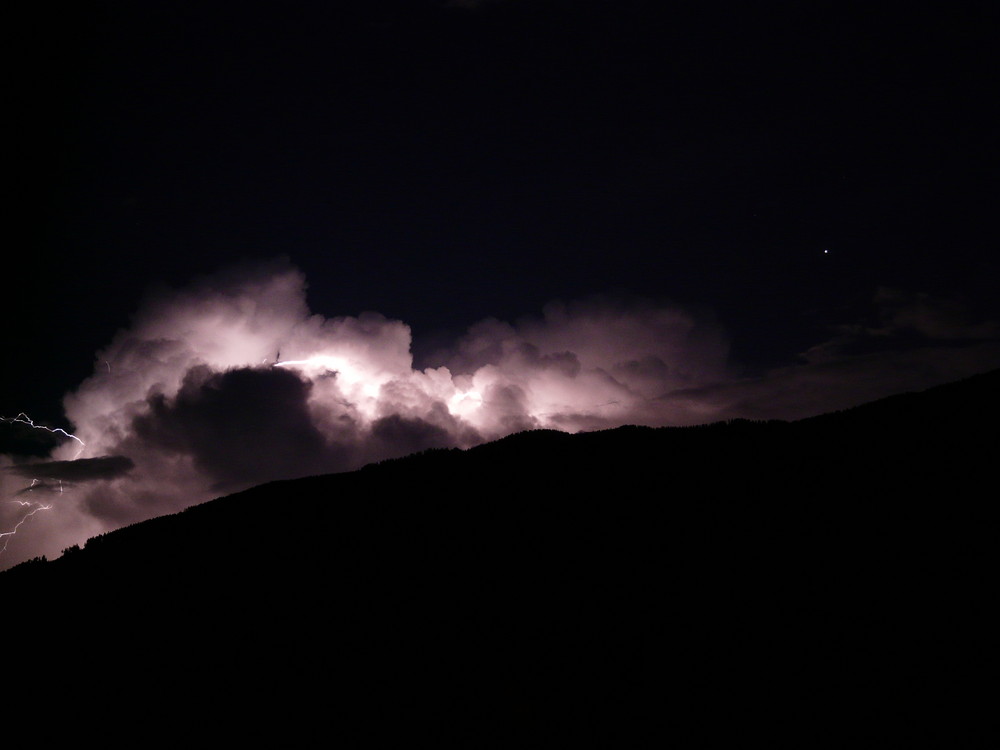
x=821, y=583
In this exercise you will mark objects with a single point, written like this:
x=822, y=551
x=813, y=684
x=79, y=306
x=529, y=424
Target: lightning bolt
x=33, y=506
x=24, y=419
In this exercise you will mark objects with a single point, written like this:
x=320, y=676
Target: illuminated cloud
x=232, y=381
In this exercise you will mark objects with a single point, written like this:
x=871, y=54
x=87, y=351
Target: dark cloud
x=197, y=396
x=241, y=426
x=41, y=487
x=79, y=470
x=935, y=318
x=908, y=341
x=902, y=321
x=396, y=435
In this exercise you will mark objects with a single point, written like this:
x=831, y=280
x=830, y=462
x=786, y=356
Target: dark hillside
x=820, y=583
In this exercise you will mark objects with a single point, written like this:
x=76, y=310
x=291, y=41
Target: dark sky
x=444, y=162
x=584, y=214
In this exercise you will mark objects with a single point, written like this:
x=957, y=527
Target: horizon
x=279, y=240
x=48, y=477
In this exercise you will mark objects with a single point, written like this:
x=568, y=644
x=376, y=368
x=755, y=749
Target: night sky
x=810, y=187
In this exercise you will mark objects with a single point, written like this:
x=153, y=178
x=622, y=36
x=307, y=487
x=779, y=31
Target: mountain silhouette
x=826, y=582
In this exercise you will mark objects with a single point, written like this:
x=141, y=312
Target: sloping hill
x=820, y=583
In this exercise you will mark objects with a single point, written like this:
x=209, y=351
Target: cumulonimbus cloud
x=233, y=381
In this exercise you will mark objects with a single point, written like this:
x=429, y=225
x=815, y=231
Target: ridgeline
x=822, y=583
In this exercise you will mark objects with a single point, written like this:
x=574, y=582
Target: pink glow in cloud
x=232, y=382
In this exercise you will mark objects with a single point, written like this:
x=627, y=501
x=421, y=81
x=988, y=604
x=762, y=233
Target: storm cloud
x=232, y=381
x=79, y=470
